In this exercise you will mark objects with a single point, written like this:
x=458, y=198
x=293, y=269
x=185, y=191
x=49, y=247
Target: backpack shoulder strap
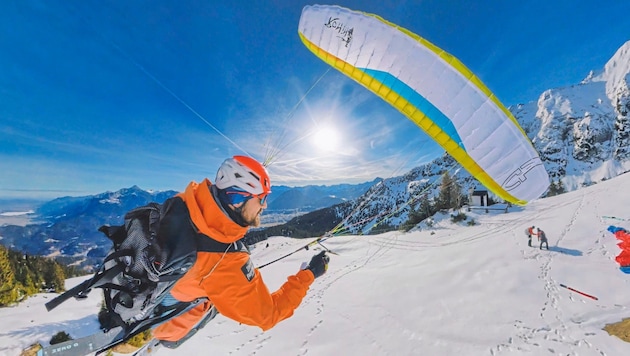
x=208, y=244
x=177, y=222
x=177, y=234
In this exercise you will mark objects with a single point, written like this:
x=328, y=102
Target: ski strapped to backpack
x=148, y=256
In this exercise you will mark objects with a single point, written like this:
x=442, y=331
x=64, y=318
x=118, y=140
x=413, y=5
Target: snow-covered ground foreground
x=450, y=290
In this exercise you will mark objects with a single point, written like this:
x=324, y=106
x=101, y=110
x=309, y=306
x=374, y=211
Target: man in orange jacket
x=531, y=231
x=223, y=277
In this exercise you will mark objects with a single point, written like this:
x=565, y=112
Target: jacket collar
x=208, y=216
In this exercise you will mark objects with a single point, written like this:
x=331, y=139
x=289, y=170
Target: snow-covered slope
x=448, y=290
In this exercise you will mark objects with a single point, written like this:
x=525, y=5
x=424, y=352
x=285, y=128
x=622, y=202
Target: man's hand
x=318, y=264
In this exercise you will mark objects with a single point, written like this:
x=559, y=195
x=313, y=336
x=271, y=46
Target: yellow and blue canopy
x=434, y=90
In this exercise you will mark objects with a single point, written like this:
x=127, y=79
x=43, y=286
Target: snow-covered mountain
x=582, y=133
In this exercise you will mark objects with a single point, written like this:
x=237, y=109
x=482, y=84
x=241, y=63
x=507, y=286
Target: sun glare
x=326, y=139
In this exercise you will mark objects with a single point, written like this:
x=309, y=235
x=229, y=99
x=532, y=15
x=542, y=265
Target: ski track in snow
x=550, y=314
x=331, y=278
x=527, y=337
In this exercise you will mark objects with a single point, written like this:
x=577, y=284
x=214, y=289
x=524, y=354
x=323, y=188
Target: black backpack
x=148, y=256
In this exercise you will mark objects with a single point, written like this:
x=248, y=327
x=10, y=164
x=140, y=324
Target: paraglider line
x=318, y=240
x=274, y=153
x=162, y=85
x=158, y=82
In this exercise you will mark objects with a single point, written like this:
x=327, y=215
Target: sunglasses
x=262, y=198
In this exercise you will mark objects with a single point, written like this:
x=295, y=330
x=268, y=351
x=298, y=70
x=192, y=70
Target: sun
x=326, y=138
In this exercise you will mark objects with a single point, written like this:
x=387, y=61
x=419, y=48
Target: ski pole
x=577, y=291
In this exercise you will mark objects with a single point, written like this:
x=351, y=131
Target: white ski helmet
x=245, y=173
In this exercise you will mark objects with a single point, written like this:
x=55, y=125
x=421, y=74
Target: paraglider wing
x=623, y=258
x=435, y=91
x=624, y=244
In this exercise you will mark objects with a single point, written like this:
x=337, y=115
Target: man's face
x=251, y=211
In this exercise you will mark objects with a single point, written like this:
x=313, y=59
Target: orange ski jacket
x=224, y=273
x=531, y=232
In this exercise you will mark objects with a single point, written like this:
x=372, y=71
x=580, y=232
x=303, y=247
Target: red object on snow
x=624, y=244
x=579, y=292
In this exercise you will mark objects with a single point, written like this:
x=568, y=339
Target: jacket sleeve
x=178, y=327
x=238, y=292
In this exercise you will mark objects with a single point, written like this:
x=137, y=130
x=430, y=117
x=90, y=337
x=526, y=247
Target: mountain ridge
x=68, y=226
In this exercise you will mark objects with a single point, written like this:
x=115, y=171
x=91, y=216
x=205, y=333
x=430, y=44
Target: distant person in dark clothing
x=543, y=239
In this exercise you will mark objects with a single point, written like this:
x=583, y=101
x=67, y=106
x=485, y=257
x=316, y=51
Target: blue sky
x=101, y=95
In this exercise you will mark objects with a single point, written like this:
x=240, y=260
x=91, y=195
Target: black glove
x=319, y=264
